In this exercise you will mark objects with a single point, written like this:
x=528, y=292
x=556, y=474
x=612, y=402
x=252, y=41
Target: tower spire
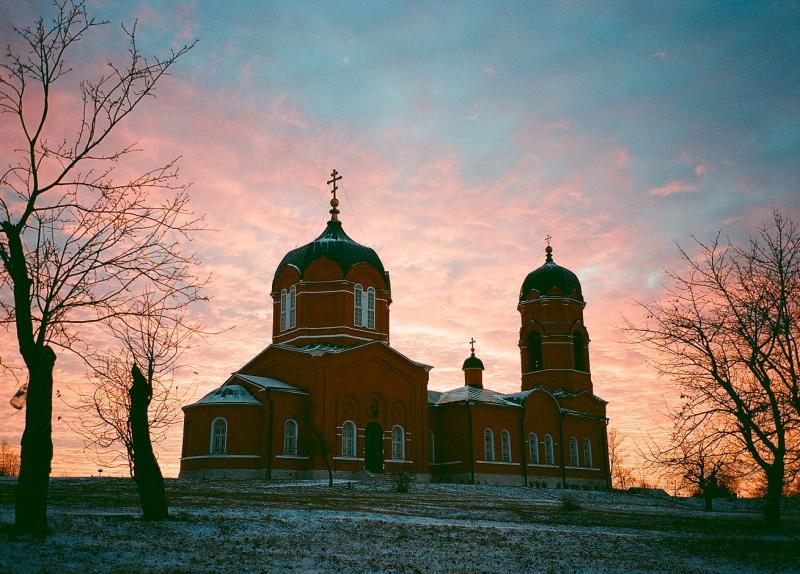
x=335, y=177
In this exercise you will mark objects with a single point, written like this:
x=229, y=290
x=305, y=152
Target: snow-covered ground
x=367, y=527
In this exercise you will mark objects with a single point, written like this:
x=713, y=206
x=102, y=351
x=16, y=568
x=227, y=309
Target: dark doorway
x=373, y=442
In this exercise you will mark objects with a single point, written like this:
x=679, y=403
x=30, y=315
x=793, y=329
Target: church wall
x=243, y=448
x=450, y=425
x=496, y=418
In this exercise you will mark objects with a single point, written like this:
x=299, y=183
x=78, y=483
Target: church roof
x=467, y=393
x=267, y=383
x=551, y=276
x=337, y=246
x=230, y=394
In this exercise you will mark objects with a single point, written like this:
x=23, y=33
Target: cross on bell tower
x=472, y=345
x=335, y=177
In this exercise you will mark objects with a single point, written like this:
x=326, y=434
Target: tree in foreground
x=77, y=243
x=727, y=333
x=135, y=399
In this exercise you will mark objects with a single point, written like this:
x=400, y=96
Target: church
x=331, y=393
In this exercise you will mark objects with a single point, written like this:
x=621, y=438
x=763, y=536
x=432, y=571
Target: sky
x=465, y=133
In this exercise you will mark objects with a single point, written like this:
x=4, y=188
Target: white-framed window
x=288, y=308
x=548, y=449
x=431, y=447
x=359, y=305
x=573, y=451
x=587, y=453
x=219, y=436
x=370, y=308
x=505, y=445
x=533, y=441
x=292, y=319
x=348, y=438
x=290, y=437
x=284, y=309
x=364, y=305
x=398, y=443
x=488, y=444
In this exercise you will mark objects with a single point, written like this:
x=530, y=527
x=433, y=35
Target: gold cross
x=334, y=178
x=472, y=344
x=548, y=238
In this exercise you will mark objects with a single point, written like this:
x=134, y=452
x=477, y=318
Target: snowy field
x=366, y=527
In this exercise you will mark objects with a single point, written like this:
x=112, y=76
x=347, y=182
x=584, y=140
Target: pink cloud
x=704, y=169
x=674, y=186
x=489, y=71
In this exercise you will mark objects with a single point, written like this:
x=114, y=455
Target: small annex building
x=330, y=392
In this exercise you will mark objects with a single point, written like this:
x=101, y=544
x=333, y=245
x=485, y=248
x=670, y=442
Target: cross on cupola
x=472, y=345
x=548, y=250
x=335, y=177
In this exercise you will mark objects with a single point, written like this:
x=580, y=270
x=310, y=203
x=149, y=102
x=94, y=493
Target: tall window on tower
x=535, y=352
x=579, y=352
x=364, y=307
x=288, y=308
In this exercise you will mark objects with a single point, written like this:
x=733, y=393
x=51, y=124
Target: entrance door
x=373, y=443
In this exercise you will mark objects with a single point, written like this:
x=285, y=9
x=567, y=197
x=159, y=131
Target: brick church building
x=331, y=392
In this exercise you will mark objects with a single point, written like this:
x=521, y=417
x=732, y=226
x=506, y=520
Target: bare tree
x=314, y=441
x=706, y=462
x=135, y=399
x=726, y=332
x=9, y=460
x=621, y=475
x=76, y=242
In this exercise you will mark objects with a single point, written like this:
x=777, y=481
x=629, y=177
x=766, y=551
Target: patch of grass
x=569, y=503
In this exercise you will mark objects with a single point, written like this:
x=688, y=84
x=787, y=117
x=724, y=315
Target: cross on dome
x=472, y=345
x=335, y=177
x=548, y=250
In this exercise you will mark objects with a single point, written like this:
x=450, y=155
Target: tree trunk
x=37, y=445
x=772, y=506
x=146, y=473
x=708, y=499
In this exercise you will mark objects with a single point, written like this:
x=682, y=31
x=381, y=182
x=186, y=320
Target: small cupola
x=473, y=369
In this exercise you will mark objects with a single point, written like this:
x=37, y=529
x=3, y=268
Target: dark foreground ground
x=307, y=527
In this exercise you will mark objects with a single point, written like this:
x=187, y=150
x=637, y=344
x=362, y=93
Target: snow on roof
x=230, y=394
x=317, y=349
x=472, y=394
x=268, y=383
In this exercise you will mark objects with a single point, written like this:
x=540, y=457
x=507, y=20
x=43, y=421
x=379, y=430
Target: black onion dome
x=550, y=276
x=473, y=362
x=337, y=246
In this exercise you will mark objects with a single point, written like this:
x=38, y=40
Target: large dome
x=337, y=246
x=550, y=276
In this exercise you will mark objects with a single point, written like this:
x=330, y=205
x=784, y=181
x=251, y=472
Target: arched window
x=398, y=443
x=290, y=437
x=573, y=451
x=533, y=440
x=579, y=352
x=348, y=438
x=370, y=308
x=292, y=318
x=587, y=453
x=431, y=447
x=219, y=436
x=284, y=309
x=505, y=445
x=488, y=444
x=358, y=300
x=548, y=449
x=535, y=352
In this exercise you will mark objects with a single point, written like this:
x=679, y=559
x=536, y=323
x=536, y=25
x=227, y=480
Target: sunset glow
x=464, y=135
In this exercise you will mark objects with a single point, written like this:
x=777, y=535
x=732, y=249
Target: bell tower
x=553, y=339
